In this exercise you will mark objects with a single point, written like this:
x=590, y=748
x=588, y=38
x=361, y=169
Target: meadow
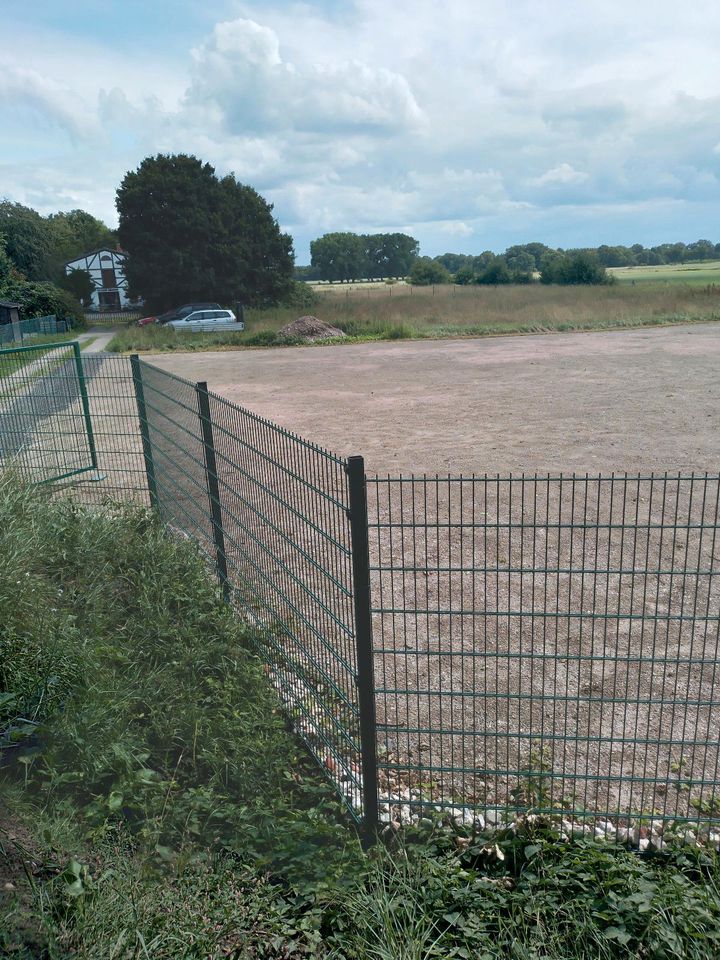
x=697, y=273
x=399, y=312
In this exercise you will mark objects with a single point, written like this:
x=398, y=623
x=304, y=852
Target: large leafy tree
x=27, y=240
x=193, y=236
x=355, y=256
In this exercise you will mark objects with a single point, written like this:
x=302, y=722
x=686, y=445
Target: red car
x=144, y=321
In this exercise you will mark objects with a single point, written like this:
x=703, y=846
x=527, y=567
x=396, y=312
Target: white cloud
x=457, y=228
x=240, y=72
x=21, y=87
x=530, y=121
x=562, y=174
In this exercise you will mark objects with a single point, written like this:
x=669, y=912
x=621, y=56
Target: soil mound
x=309, y=329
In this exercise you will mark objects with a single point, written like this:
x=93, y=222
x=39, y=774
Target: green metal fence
x=17, y=333
x=475, y=645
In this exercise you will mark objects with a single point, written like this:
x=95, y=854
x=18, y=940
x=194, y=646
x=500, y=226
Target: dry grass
x=404, y=312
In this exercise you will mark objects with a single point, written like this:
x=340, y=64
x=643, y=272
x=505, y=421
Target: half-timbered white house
x=107, y=272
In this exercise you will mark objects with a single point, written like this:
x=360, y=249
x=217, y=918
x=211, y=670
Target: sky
x=470, y=124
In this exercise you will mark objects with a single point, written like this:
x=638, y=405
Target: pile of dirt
x=309, y=329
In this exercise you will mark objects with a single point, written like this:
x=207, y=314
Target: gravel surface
x=627, y=400
x=497, y=651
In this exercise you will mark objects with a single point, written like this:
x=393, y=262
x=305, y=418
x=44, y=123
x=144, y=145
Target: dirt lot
x=625, y=400
x=563, y=636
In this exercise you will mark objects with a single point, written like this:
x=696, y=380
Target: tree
x=390, y=254
x=454, y=261
x=464, y=276
x=6, y=264
x=79, y=284
x=495, y=273
x=426, y=271
x=73, y=234
x=191, y=236
x=573, y=267
x=340, y=256
x=354, y=256
x=27, y=239
x=40, y=298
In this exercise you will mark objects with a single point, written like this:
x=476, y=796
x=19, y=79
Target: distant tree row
x=355, y=256
x=350, y=256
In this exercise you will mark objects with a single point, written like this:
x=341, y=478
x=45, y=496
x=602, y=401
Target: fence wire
x=540, y=642
x=548, y=643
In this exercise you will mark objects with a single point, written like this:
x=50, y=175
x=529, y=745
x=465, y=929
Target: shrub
x=426, y=272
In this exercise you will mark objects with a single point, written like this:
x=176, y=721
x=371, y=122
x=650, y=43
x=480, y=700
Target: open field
x=581, y=613
x=404, y=312
x=701, y=272
x=568, y=611
x=623, y=400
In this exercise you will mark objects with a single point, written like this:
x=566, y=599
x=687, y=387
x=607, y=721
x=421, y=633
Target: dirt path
x=627, y=400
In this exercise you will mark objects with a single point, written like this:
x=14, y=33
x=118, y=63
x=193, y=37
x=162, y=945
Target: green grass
x=699, y=273
x=154, y=804
x=409, y=313
x=10, y=362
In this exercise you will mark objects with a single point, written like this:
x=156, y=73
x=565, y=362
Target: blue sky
x=471, y=125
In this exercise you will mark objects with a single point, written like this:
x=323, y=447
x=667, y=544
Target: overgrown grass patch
x=409, y=313
x=153, y=802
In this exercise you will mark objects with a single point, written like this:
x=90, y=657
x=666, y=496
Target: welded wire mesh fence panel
x=548, y=643
x=64, y=416
x=177, y=453
x=112, y=405
x=286, y=531
x=44, y=427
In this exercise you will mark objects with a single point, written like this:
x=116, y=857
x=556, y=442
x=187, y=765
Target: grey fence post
x=144, y=429
x=213, y=487
x=77, y=356
x=363, y=639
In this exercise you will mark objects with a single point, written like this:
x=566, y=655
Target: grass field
x=699, y=273
x=403, y=312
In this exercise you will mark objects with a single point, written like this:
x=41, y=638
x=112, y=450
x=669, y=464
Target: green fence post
x=213, y=487
x=144, y=429
x=85, y=403
x=363, y=640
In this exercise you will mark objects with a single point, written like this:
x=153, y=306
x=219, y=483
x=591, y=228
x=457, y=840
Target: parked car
x=206, y=320
x=178, y=313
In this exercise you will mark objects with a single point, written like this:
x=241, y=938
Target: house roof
x=92, y=253
x=10, y=303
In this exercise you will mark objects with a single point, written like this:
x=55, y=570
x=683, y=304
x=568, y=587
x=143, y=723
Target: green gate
x=46, y=433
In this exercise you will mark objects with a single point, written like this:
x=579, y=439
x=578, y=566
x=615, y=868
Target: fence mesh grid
x=281, y=512
x=548, y=642
x=541, y=642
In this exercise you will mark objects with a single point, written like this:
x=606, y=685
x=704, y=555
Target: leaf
x=617, y=933
x=115, y=800
x=452, y=918
x=531, y=850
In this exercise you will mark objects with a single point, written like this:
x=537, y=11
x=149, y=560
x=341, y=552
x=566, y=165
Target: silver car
x=207, y=320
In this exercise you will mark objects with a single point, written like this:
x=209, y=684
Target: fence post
x=363, y=639
x=85, y=403
x=144, y=429
x=213, y=487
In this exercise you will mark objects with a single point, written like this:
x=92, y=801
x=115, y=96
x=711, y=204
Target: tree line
x=349, y=256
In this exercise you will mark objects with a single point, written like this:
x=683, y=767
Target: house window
x=108, y=272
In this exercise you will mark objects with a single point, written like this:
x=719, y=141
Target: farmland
x=399, y=312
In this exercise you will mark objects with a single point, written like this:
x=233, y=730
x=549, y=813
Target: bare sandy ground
x=625, y=400
x=571, y=629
